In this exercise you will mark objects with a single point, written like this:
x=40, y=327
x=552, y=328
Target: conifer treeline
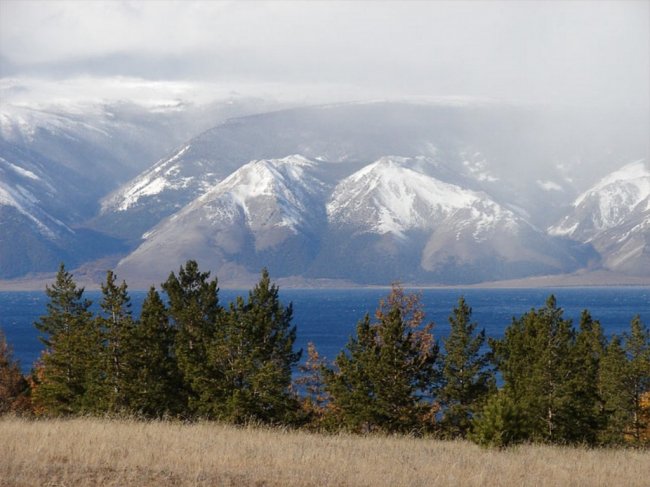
x=193, y=358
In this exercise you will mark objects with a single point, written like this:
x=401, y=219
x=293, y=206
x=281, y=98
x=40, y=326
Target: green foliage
x=500, y=424
x=466, y=377
x=115, y=365
x=194, y=309
x=535, y=359
x=585, y=408
x=195, y=359
x=153, y=391
x=637, y=347
x=624, y=379
x=252, y=357
x=614, y=384
x=382, y=379
x=71, y=347
x=66, y=305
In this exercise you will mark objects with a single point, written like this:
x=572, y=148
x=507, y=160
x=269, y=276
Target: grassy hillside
x=89, y=452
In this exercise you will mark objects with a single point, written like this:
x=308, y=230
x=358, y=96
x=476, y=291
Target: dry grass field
x=92, y=452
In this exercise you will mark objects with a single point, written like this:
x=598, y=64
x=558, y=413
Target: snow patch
x=389, y=196
x=20, y=171
x=608, y=204
x=282, y=186
x=151, y=183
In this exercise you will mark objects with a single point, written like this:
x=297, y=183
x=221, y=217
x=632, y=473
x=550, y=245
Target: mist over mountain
x=449, y=192
x=58, y=161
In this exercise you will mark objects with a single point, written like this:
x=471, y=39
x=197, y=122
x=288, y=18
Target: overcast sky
x=555, y=52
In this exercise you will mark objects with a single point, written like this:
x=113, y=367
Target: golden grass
x=90, y=452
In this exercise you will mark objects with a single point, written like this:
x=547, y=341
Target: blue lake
x=328, y=317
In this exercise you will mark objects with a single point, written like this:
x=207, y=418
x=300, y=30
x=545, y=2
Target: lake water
x=328, y=317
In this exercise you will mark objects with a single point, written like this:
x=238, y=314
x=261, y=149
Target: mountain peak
x=393, y=195
x=635, y=174
x=607, y=204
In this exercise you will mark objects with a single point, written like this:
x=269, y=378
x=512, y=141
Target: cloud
x=564, y=52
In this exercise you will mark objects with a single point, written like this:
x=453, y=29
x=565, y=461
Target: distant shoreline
x=576, y=280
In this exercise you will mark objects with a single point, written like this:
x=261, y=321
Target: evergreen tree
x=466, y=377
x=66, y=305
x=252, y=358
x=115, y=366
x=71, y=346
x=383, y=378
x=585, y=407
x=615, y=386
x=625, y=382
x=13, y=386
x=194, y=309
x=534, y=359
x=500, y=423
x=156, y=382
x=637, y=348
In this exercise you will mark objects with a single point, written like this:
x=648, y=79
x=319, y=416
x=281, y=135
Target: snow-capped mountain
x=422, y=228
x=396, y=195
x=608, y=204
x=56, y=162
x=479, y=147
x=268, y=212
x=24, y=222
x=426, y=193
x=281, y=213
x=614, y=216
x=524, y=158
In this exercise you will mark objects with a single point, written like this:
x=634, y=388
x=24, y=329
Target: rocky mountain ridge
x=353, y=193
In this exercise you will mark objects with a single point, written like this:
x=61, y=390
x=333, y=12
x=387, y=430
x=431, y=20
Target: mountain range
x=362, y=193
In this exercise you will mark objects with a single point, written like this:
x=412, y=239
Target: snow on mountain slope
x=392, y=196
x=163, y=175
x=607, y=204
x=282, y=193
x=421, y=228
x=286, y=185
x=614, y=216
x=626, y=248
x=281, y=214
x=265, y=207
x=26, y=187
x=499, y=150
x=26, y=204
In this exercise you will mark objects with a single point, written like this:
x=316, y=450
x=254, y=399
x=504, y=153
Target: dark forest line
x=191, y=357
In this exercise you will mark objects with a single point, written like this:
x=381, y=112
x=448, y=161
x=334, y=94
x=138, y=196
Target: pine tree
x=14, y=395
x=383, y=379
x=115, y=364
x=637, y=348
x=252, y=359
x=615, y=385
x=585, y=407
x=71, y=345
x=500, y=423
x=65, y=306
x=534, y=359
x=194, y=309
x=467, y=379
x=625, y=382
x=153, y=391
